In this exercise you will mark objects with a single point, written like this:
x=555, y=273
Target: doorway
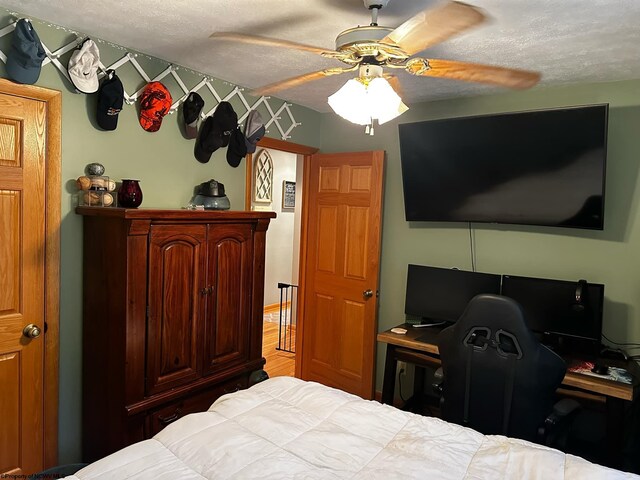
x=277, y=177
x=282, y=163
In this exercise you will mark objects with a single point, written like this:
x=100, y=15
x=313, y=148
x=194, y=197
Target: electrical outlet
x=402, y=367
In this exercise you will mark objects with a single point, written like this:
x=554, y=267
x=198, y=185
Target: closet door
x=176, y=297
x=22, y=285
x=228, y=309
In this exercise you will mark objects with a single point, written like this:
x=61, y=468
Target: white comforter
x=288, y=428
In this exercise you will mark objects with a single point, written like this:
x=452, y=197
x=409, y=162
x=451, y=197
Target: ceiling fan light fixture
x=386, y=104
x=350, y=102
x=362, y=100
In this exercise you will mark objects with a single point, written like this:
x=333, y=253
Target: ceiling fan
x=372, y=48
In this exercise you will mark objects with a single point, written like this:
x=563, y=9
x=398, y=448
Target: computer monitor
x=559, y=307
x=441, y=294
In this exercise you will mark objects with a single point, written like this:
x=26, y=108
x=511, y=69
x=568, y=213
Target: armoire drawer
x=199, y=402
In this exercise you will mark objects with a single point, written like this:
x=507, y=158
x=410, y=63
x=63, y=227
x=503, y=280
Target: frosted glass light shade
x=350, y=102
x=362, y=102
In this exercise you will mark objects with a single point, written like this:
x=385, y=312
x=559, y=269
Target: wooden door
x=341, y=276
x=177, y=262
x=22, y=284
x=228, y=311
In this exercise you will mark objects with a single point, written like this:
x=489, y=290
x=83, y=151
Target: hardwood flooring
x=279, y=363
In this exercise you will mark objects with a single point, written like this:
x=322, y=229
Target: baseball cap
x=110, y=100
x=191, y=109
x=253, y=130
x=83, y=67
x=25, y=57
x=216, y=131
x=155, y=103
x=237, y=148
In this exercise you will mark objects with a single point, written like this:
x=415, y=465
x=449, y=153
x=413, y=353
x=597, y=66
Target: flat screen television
x=559, y=308
x=543, y=167
x=441, y=294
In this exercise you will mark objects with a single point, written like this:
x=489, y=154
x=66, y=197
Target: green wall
x=611, y=256
x=164, y=163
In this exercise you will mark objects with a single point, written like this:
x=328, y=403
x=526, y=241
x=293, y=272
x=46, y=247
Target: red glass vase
x=130, y=194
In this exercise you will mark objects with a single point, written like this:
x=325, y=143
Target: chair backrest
x=498, y=378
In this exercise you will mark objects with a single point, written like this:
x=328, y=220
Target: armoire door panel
x=230, y=270
x=227, y=296
x=176, y=273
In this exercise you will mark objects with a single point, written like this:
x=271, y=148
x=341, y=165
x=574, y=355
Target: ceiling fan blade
x=272, y=42
x=433, y=26
x=395, y=84
x=473, y=72
x=300, y=79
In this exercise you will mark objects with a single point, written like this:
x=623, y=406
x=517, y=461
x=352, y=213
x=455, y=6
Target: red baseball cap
x=155, y=103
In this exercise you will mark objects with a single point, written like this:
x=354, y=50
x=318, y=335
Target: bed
x=288, y=428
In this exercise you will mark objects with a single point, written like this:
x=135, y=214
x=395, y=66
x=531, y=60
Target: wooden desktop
x=424, y=353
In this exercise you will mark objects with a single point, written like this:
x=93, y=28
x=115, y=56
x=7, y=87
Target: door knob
x=31, y=331
x=367, y=294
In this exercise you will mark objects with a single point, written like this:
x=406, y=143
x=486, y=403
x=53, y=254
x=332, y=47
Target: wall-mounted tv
x=543, y=167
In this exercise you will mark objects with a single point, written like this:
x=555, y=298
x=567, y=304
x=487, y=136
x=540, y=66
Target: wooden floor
x=279, y=363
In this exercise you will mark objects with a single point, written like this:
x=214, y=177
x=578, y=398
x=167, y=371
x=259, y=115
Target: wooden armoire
x=172, y=312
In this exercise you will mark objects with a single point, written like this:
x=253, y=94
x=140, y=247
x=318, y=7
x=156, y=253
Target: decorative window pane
x=263, y=177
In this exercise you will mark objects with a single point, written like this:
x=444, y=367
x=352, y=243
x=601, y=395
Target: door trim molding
x=53, y=187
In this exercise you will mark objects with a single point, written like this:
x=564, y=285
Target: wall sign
x=288, y=195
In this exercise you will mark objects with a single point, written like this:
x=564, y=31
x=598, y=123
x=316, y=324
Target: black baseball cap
x=215, y=131
x=237, y=148
x=191, y=109
x=110, y=100
x=25, y=57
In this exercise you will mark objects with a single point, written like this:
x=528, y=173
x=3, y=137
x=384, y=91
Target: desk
x=424, y=353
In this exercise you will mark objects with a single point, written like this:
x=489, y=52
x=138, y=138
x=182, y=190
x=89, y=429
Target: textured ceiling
x=568, y=41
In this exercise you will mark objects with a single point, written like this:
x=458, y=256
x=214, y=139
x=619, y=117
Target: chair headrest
x=496, y=318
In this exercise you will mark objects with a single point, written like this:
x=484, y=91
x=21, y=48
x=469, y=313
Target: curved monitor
x=559, y=307
x=441, y=294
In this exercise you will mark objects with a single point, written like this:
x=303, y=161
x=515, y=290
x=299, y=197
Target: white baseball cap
x=83, y=67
